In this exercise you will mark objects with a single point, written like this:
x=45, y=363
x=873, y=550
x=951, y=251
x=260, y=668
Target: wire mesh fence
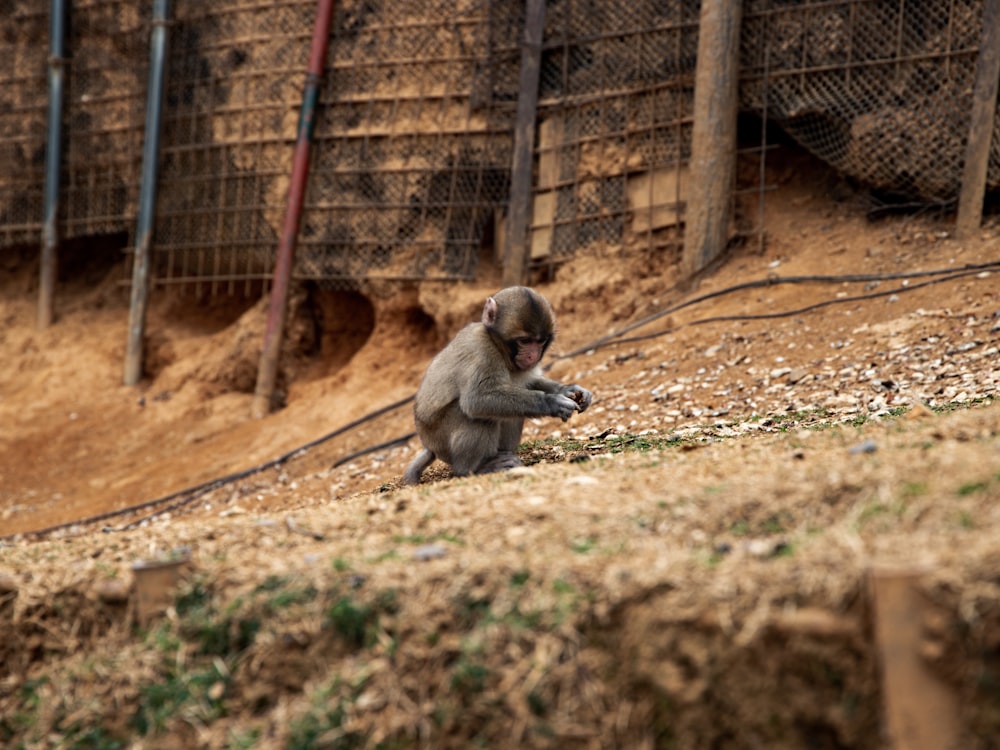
x=413, y=144
x=413, y=148
x=615, y=116
x=108, y=53
x=409, y=162
x=24, y=44
x=880, y=89
x=233, y=86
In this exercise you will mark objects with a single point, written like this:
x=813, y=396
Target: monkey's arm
x=505, y=400
x=579, y=394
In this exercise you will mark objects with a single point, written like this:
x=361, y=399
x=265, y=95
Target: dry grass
x=675, y=595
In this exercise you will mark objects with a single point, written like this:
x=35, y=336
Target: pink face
x=529, y=353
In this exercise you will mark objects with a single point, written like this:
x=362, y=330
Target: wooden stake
x=515, y=253
x=984, y=102
x=921, y=712
x=713, y=138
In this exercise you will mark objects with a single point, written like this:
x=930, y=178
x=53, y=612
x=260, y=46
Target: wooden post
x=921, y=712
x=713, y=140
x=984, y=102
x=516, y=255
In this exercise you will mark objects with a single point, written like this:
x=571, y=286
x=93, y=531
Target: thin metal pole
x=147, y=192
x=53, y=162
x=268, y=368
x=984, y=102
x=516, y=252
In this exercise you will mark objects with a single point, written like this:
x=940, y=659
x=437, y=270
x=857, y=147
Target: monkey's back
x=460, y=366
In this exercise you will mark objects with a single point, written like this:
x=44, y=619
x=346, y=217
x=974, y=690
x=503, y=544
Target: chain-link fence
x=880, y=89
x=411, y=161
x=615, y=116
x=24, y=47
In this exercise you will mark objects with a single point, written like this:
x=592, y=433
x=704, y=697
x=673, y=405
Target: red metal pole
x=267, y=371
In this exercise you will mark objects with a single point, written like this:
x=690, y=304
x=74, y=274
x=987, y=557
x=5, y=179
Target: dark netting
x=413, y=147
x=24, y=49
x=108, y=52
x=881, y=89
x=411, y=161
x=616, y=98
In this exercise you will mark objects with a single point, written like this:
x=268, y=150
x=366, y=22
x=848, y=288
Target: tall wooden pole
x=516, y=253
x=713, y=139
x=981, y=125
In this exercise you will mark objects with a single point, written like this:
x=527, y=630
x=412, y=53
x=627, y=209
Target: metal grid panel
x=413, y=147
x=617, y=93
x=107, y=46
x=24, y=48
x=408, y=163
x=415, y=127
x=881, y=89
x=231, y=107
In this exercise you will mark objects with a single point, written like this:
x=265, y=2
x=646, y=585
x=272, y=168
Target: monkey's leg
x=424, y=459
x=506, y=457
x=472, y=442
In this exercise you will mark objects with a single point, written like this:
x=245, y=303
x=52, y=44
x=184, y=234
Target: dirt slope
x=685, y=566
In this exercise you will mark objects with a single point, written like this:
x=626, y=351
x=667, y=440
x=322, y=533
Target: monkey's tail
x=424, y=459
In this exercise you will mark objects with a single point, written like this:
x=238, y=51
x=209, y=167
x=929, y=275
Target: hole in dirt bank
x=86, y=261
x=418, y=322
x=204, y=313
x=344, y=321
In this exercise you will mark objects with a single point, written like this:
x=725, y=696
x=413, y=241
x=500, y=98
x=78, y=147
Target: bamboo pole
x=921, y=711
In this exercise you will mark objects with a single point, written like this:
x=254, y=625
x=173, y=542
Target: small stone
x=8, y=584
x=796, y=375
x=760, y=547
x=868, y=446
x=429, y=552
x=113, y=590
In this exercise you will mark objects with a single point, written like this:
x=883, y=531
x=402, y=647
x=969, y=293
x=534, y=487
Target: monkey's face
x=527, y=352
x=521, y=321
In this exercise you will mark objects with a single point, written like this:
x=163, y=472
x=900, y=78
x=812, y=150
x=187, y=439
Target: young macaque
x=471, y=405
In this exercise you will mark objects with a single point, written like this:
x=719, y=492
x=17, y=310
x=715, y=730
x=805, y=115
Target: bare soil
x=687, y=564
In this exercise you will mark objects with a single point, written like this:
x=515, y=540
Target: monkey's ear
x=490, y=312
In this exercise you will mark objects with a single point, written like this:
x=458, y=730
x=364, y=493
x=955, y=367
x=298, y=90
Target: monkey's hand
x=560, y=406
x=581, y=396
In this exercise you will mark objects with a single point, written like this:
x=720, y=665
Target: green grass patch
x=972, y=488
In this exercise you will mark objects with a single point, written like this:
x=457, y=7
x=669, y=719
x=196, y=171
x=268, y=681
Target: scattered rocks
x=922, y=359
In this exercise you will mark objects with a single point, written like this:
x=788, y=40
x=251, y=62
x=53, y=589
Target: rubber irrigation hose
x=788, y=313
x=192, y=493
x=611, y=339
x=773, y=281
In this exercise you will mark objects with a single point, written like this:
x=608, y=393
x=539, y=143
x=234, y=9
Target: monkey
x=471, y=404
